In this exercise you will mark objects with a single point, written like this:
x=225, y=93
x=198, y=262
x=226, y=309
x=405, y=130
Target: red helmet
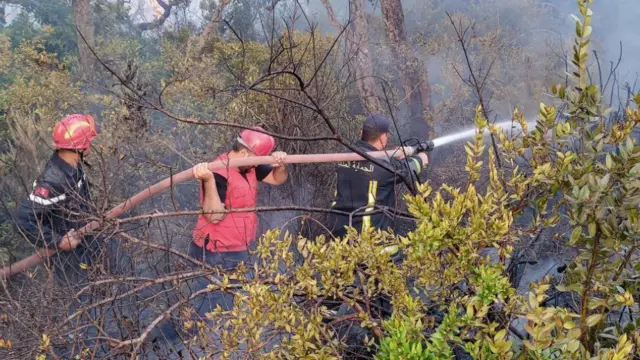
x=261, y=144
x=75, y=132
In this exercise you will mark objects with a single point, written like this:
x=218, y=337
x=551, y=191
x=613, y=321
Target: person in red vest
x=225, y=240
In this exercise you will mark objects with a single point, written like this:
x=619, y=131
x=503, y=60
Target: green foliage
x=400, y=343
x=53, y=26
x=32, y=97
x=490, y=284
x=593, y=165
x=405, y=337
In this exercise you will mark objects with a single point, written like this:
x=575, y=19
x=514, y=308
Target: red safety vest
x=236, y=230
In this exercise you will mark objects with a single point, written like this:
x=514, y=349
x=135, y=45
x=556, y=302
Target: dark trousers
x=209, y=301
x=71, y=272
x=226, y=261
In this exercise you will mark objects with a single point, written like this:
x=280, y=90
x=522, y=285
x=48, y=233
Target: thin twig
x=477, y=86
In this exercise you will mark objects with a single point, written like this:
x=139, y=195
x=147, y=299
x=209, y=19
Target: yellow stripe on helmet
x=72, y=128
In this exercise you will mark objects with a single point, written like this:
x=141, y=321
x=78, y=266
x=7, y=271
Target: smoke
x=547, y=35
x=614, y=21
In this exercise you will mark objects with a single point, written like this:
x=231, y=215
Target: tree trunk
x=413, y=76
x=358, y=48
x=84, y=21
x=201, y=39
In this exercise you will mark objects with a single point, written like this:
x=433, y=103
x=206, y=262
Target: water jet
x=470, y=133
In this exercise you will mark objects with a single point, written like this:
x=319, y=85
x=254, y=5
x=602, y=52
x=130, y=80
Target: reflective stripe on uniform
x=46, y=202
x=418, y=166
x=371, y=194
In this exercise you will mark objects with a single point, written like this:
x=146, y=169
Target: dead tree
x=358, y=45
x=413, y=76
x=210, y=28
x=85, y=29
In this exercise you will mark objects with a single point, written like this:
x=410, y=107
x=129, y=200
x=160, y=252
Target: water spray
x=467, y=134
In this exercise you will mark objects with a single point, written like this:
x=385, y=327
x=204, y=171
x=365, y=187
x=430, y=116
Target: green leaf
x=569, y=325
x=594, y=319
x=592, y=229
x=573, y=346
x=575, y=234
x=575, y=18
x=609, y=161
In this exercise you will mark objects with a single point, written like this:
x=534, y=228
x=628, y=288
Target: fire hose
x=143, y=195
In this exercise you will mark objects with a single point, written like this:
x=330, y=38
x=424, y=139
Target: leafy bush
x=592, y=164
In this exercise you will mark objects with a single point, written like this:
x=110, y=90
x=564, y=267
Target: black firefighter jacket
x=362, y=185
x=59, y=202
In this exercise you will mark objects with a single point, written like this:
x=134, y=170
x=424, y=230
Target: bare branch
x=332, y=15
x=378, y=209
x=477, y=86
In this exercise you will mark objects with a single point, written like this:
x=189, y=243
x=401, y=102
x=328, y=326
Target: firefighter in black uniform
x=362, y=185
x=60, y=204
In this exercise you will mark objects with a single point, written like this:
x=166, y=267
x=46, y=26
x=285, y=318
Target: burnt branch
x=315, y=107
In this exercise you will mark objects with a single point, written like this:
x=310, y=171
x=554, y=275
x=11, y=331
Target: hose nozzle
x=426, y=146
x=419, y=146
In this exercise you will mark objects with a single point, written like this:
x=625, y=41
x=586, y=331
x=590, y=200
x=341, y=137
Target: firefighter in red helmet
x=225, y=239
x=61, y=192
x=60, y=203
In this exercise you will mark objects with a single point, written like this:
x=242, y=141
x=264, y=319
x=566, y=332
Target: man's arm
x=34, y=215
x=279, y=173
x=411, y=166
x=33, y=221
x=211, y=200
